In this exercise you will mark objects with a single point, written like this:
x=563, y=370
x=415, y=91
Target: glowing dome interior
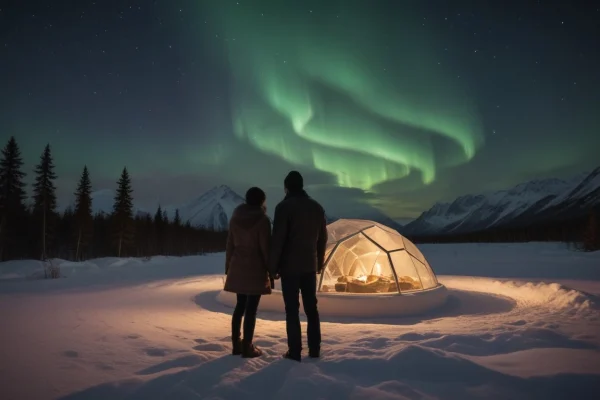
x=367, y=257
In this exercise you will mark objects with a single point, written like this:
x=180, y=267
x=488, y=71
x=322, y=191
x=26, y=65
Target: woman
x=246, y=267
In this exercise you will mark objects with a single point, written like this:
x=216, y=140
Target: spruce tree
x=123, y=213
x=166, y=234
x=158, y=216
x=83, y=212
x=12, y=195
x=44, y=197
x=176, y=233
x=177, y=219
x=159, y=230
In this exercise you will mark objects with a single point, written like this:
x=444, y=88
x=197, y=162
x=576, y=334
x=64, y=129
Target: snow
x=522, y=322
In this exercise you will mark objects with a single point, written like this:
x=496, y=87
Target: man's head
x=293, y=182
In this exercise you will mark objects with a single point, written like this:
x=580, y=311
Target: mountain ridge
x=524, y=204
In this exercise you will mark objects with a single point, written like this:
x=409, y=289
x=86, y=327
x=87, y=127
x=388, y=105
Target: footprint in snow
x=209, y=347
x=155, y=352
x=133, y=336
x=520, y=322
x=104, y=367
x=70, y=353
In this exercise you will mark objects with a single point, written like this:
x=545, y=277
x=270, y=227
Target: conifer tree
x=177, y=219
x=159, y=230
x=123, y=213
x=158, y=215
x=83, y=212
x=176, y=233
x=166, y=234
x=44, y=197
x=12, y=194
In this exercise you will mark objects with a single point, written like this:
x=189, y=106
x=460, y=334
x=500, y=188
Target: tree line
x=36, y=229
x=581, y=232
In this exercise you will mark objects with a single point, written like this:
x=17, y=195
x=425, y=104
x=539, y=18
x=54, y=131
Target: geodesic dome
x=367, y=257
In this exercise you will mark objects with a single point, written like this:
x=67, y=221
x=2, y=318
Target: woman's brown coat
x=246, y=259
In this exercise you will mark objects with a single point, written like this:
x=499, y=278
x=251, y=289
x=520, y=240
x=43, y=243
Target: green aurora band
x=344, y=92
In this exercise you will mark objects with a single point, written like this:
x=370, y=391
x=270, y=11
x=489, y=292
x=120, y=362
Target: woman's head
x=256, y=197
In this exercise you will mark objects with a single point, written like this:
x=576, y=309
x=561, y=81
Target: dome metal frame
x=368, y=225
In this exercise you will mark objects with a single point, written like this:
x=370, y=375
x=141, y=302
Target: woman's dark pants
x=246, y=307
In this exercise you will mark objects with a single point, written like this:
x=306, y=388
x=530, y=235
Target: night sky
x=386, y=104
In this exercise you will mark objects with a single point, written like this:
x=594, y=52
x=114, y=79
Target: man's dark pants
x=292, y=286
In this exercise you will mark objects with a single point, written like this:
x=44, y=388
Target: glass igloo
x=367, y=257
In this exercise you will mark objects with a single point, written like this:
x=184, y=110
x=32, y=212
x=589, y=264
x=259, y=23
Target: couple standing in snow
x=294, y=252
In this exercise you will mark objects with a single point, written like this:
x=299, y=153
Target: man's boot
x=291, y=356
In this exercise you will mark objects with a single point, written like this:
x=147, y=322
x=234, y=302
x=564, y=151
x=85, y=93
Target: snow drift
x=135, y=329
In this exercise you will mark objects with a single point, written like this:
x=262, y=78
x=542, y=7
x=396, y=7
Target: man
x=297, y=256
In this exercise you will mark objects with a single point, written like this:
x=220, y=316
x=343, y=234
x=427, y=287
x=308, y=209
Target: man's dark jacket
x=299, y=236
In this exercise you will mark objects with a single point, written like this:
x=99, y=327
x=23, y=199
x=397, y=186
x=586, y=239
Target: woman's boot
x=250, y=351
x=236, y=346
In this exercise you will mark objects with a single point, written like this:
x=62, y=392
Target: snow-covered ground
x=523, y=321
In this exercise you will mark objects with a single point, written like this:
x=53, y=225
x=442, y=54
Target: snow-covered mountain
x=212, y=210
x=526, y=203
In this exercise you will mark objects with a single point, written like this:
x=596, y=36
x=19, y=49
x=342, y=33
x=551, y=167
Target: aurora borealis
x=327, y=101
x=383, y=105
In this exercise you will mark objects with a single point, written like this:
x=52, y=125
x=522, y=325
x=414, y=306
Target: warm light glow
x=377, y=269
x=362, y=278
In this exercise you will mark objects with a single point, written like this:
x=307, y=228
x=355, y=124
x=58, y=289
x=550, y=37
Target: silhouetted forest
x=581, y=232
x=35, y=229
